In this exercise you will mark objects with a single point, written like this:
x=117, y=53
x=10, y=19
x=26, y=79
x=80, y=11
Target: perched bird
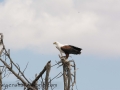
x=67, y=49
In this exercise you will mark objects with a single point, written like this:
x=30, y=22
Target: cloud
x=35, y=24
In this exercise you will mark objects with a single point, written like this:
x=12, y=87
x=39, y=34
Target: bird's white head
x=57, y=44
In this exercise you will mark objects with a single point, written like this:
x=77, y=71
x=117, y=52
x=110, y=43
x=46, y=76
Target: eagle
x=67, y=49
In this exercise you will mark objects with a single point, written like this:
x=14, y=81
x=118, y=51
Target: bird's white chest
x=59, y=48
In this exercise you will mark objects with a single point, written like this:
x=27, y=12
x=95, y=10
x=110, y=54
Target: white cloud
x=36, y=24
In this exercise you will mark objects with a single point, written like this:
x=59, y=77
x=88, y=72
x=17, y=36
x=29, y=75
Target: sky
x=31, y=26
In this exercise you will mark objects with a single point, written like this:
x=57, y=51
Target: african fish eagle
x=67, y=49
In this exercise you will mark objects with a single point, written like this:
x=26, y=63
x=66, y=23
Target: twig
x=54, y=77
x=57, y=63
x=51, y=85
x=42, y=83
x=25, y=67
x=60, y=75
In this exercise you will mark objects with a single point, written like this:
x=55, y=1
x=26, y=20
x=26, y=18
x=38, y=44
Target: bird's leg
x=67, y=55
x=61, y=54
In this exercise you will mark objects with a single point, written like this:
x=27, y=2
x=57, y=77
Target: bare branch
x=50, y=85
x=48, y=67
x=14, y=63
x=1, y=38
x=25, y=67
x=57, y=63
x=60, y=75
x=1, y=52
x=42, y=83
x=64, y=78
x=22, y=80
x=69, y=76
x=3, y=69
x=54, y=77
x=18, y=67
x=40, y=74
x=36, y=82
x=0, y=79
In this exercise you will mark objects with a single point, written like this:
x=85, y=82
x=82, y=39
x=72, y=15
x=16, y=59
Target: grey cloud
x=36, y=24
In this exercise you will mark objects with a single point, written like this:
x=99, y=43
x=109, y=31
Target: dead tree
x=20, y=74
x=69, y=78
x=67, y=74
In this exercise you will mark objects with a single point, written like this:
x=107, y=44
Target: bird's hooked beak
x=54, y=43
